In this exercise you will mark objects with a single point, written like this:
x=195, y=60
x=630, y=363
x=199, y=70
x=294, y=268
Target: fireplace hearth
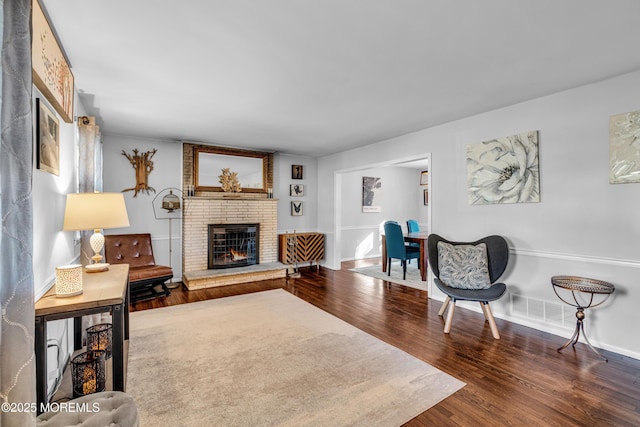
x=233, y=245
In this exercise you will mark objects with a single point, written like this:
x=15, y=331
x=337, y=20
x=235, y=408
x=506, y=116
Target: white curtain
x=17, y=360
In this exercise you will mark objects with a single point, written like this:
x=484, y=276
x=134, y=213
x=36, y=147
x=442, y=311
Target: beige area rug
x=414, y=280
x=271, y=359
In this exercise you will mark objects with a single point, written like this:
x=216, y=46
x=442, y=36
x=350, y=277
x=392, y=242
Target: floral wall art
x=504, y=170
x=624, y=148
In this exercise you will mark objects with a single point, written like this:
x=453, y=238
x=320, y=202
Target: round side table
x=591, y=287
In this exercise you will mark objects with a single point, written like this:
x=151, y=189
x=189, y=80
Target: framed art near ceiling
x=50, y=69
x=624, y=155
x=504, y=170
x=48, y=139
x=426, y=196
x=296, y=190
x=424, y=178
x=296, y=171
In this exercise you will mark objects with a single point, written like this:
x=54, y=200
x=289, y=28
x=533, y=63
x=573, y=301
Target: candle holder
x=88, y=373
x=99, y=338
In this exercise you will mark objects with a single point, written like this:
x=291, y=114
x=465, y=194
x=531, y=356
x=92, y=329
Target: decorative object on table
x=99, y=338
x=424, y=178
x=296, y=190
x=297, y=171
x=504, y=170
x=68, y=280
x=269, y=193
x=143, y=165
x=468, y=271
x=296, y=208
x=51, y=72
x=590, y=287
x=371, y=194
x=48, y=134
x=171, y=204
x=96, y=211
x=88, y=373
x=624, y=152
x=229, y=181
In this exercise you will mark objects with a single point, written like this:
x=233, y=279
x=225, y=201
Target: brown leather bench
x=145, y=277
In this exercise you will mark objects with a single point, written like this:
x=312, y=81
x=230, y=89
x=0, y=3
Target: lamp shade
x=90, y=211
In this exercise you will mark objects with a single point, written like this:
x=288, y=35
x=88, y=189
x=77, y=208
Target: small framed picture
x=296, y=190
x=424, y=178
x=296, y=171
x=426, y=196
x=296, y=208
x=48, y=133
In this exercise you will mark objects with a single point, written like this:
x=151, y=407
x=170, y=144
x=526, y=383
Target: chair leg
x=445, y=304
x=447, y=324
x=486, y=309
x=404, y=269
x=389, y=267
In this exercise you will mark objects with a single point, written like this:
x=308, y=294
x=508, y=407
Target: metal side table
x=591, y=287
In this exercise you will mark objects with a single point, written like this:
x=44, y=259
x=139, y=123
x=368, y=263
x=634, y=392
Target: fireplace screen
x=233, y=245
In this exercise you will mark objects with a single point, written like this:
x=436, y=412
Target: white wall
x=281, y=183
x=119, y=175
x=582, y=226
x=360, y=231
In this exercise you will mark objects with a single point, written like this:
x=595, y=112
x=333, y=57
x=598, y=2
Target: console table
x=590, y=287
x=106, y=291
x=301, y=247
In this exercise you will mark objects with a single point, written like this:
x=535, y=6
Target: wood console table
x=106, y=291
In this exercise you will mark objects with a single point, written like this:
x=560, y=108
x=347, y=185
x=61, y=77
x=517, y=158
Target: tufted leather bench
x=144, y=274
x=107, y=408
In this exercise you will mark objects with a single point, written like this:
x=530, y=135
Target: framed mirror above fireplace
x=253, y=168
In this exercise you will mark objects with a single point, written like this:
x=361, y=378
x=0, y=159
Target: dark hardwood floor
x=519, y=380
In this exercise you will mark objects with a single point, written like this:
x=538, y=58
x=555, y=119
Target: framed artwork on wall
x=371, y=194
x=424, y=178
x=296, y=208
x=426, y=196
x=51, y=72
x=624, y=156
x=504, y=170
x=48, y=139
x=296, y=171
x=296, y=190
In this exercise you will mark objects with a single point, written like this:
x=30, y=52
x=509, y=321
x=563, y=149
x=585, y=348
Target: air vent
x=554, y=313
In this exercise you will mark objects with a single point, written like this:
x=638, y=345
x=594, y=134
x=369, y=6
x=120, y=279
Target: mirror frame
x=230, y=152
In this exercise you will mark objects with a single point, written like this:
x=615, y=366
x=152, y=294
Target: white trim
x=361, y=227
x=576, y=258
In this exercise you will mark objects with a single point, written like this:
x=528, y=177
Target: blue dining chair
x=413, y=226
x=396, y=249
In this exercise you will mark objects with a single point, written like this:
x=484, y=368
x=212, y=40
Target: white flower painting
x=624, y=148
x=504, y=170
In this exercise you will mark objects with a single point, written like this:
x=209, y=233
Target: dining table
x=420, y=238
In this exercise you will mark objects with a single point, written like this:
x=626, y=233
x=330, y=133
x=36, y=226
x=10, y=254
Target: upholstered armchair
x=468, y=271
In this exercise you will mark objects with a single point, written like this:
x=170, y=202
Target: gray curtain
x=17, y=361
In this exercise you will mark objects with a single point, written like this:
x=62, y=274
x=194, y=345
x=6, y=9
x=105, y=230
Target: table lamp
x=86, y=211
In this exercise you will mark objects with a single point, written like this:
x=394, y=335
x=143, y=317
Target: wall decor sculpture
x=624, y=148
x=143, y=166
x=51, y=72
x=371, y=194
x=504, y=170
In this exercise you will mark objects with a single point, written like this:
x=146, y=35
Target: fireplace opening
x=233, y=245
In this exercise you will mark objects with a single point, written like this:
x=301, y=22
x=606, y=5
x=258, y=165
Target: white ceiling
x=314, y=77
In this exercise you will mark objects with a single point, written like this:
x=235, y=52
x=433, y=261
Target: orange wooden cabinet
x=301, y=247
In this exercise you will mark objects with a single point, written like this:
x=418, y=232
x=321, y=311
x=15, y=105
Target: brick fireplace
x=202, y=211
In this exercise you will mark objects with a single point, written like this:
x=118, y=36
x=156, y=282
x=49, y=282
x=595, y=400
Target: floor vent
x=554, y=313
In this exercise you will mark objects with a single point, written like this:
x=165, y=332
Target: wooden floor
x=519, y=380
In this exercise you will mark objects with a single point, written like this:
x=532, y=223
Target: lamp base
x=96, y=268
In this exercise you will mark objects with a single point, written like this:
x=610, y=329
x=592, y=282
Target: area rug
x=413, y=280
x=271, y=359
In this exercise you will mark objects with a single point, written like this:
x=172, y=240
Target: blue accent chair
x=396, y=249
x=413, y=226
